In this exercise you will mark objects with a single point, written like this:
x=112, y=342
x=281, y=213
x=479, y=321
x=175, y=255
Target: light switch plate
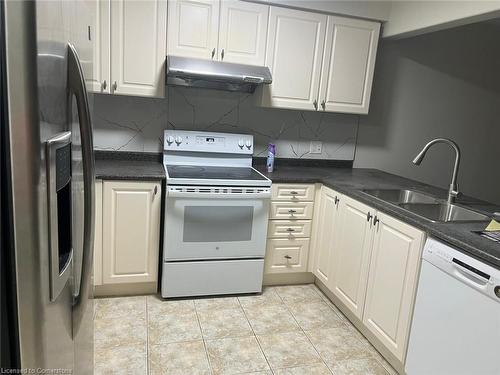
x=316, y=147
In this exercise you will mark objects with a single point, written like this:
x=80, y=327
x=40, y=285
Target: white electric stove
x=216, y=214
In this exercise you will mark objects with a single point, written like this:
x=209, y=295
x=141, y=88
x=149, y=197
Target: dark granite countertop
x=351, y=182
x=117, y=165
x=340, y=177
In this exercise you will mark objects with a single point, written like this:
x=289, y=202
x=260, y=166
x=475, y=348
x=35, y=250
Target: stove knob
x=241, y=144
x=178, y=140
x=170, y=140
x=248, y=144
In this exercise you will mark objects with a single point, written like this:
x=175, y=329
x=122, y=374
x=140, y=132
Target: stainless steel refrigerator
x=47, y=184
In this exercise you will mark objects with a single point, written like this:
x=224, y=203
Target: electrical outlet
x=316, y=147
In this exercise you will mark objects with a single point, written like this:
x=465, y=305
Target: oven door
x=215, y=223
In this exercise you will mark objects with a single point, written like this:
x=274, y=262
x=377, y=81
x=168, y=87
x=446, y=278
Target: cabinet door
x=243, y=32
x=100, y=42
x=392, y=282
x=193, y=28
x=327, y=230
x=352, y=254
x=131, y=224
x=347, y=73
x=294, y=52
x=138, y=47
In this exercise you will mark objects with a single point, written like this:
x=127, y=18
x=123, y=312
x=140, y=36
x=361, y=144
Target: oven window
x=217, y=224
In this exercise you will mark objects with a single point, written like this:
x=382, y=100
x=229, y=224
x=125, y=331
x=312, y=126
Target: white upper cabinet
x=100, y=43
x=193, y=28
x=294, y=51
x=138, y=47
x=243, y=32
x=392, y=282
x=347, y=73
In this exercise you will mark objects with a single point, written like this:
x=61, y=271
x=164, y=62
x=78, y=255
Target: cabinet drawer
x=289, y=228
x=291, y=210
x=286, y=255
x=292, y=192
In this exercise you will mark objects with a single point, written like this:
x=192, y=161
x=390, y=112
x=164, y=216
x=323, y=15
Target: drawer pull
x=288, y=257
x=290, y=230
x=291, y=212
x=294, y=193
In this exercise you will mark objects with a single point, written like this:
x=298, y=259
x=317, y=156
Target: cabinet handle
x=213, y=53
x=375, y=220
x=336, y=201
x=368, y=216
x=315, y=104
x=222, y=54
x=288, y=257
x=114, y=87
x=290, y=230
x=291, y=212
x=104, y=84
x=323, y=104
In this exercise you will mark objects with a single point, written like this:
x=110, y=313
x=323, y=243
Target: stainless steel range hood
x=209, y=74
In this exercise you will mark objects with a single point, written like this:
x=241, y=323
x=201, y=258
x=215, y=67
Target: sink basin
x=444, y=212
x=401, y=196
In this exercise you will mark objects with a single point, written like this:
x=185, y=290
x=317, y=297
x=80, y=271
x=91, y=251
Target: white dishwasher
x=456, y=322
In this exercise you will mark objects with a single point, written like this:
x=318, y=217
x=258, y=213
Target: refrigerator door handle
x=77, y=87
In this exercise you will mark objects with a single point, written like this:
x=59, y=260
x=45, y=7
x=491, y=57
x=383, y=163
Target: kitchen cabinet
x=289, y=230
x=392, y=281
x=327, y=229
x=130, y=232
x=330, y=58
x=130, y=43
x=232, y=31
x=295, y=46
x=347, y=73
x=351, y=258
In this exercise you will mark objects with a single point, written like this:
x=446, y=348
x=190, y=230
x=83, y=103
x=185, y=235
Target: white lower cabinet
x=130, y=233
x=392, y=282
x=370, y=262
x=351, y=257
x=325, y=234
x=286, y=255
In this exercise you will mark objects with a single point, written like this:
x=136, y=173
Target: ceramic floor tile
x=361, y=366
x=173, y=327
x=217, y=324
x=266, y=319
x=125, y=359
x=318, y=314
x=319, y=369
x=268, y=297
x=180, y=358
x=337, y=344
x=289, y=349
x=125, y=330
x=120, y=306
x=298, y=293
x=158, y=306
x=236, y=356
x=216, y=303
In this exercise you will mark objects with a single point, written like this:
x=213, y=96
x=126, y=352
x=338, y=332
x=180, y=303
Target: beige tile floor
x=289, y=330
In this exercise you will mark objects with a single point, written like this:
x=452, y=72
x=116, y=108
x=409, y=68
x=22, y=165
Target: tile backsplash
x=126, y=123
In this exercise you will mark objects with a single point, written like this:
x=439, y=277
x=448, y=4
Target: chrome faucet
x=453, y=192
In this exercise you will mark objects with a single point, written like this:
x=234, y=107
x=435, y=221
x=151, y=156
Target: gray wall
x=126, y=123
x=444, y=84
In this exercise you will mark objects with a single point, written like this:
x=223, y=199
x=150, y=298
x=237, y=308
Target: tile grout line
x=203, y=338
x=305, y=334
x=255, y=335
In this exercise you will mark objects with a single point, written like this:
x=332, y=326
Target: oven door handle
x=197, y=195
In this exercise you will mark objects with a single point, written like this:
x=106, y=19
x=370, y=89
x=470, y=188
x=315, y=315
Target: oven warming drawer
x=184, y=279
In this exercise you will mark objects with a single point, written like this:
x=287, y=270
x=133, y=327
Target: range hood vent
x=209, y=74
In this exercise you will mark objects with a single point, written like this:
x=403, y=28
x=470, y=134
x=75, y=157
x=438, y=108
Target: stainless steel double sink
x=427, y=206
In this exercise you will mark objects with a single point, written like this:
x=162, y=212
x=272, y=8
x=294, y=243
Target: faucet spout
x=453, y=192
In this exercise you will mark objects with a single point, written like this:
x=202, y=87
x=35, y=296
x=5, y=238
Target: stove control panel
x=194, y=141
